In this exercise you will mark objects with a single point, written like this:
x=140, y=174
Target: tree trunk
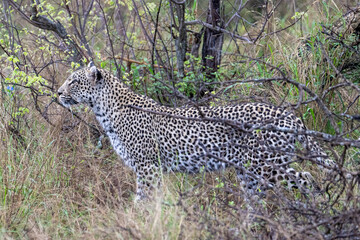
x=213, y=40
x=181, y=39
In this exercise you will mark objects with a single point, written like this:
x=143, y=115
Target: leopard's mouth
x=67, y=101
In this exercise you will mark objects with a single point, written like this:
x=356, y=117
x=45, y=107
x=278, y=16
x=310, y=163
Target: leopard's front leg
x=148, y=179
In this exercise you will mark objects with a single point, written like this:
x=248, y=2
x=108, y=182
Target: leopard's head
x=80, y=86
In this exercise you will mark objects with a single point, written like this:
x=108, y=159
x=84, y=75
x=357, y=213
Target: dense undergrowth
x=59, y=181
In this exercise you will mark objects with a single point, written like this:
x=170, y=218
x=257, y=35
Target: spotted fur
x=151, y=138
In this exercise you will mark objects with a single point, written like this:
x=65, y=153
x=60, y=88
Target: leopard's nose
x=60, y=92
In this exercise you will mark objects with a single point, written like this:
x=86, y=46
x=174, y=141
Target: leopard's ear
x=94, y=74
x=91, y=64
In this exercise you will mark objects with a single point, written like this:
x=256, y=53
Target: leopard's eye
x=73, y=81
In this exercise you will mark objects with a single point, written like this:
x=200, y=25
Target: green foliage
x=310, y=113
x=193, y=77
x=190, y=11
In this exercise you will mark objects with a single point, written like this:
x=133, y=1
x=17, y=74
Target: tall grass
x=60, y=186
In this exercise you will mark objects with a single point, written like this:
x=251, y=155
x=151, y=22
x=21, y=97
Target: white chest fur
x=116, y=142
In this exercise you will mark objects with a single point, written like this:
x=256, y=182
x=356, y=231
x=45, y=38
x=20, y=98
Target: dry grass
x=58, y=185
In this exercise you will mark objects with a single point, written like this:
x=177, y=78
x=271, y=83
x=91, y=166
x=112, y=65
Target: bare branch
x=207, y=25
x=45, y=23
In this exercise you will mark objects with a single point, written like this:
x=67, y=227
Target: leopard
x=259, y=140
